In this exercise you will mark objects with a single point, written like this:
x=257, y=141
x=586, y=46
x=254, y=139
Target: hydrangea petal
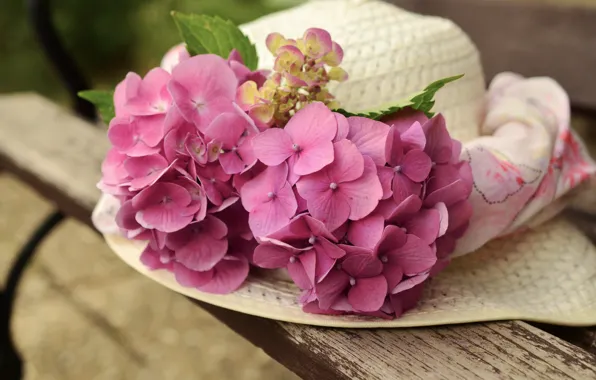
x=410, y=283
x=363, y=195
x=360, y=262
x=414, y=257
x=425, y=224
x=413, y=137
x=190, y=278
x=271, y=256
x=331, y=288
x=273, y=146
x=416, y=165
x=438, y=141
x=368, y=294
x=229, y=274
x=366, y=232
x=370, y=137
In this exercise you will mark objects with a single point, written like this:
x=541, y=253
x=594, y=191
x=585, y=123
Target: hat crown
x=390, y=53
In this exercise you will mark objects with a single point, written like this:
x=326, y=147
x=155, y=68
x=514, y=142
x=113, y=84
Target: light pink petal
x=203, y=78
x=273, y=146
x=151, y=129
x=413, y=137
x=125, y=90
x=393, y=274
x=227, y=128
x=155, y=194
x=202, y=253
x=122, y=133
x=370, y=137
x=229, y=275
x=392, y=238
x=394, y=150
x=271, y=216
x=343, y=127
x=314, y=185
x=425, y=224
x=166, y=219
x=360, y=262
x=366, y=232
x=363, y=194
x=368, y=294
x=449, y=195
x=256, y=191
x=331, y=288
x=404, y=119
x=403, y=187
x=139, y=167
x=231, y=163
x=416, y=165
x=348, y=163
x=414, y=257
x=438, y=141
x=386, y=178
x=311, y=126
x=313, y=158
x=456, y=148
x=302, y=204
x=331, y=208
x=190, y=278
x=272, y=256
x=409, y=283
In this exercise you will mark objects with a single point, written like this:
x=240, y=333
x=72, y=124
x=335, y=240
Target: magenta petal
x=153, y=259
x=438, y=141
x=308, y=259
x=393, y=274
x=416, y=165
x=425, y=224
x=299, y=276
x=228, y=275
x=227, y=128
x=318, y=229
x=331, y=288
x=190, y=278
x=313, y=158
x=443, y=217
x=403, y=187
x=363, y=194
x=370, y=137
x=394, y=150
x=402, y=213
x=409, y=283
x=406, y=300
x=330, y=249
x=413, y=137
x=324, y=264
x=165, y=219
x=202, y=252
x=392, y=238
x=269, y=217
x=360, y=262
x=368, y=294
x=256, y=191
x=273, y=146
x=125, y=217
x=330, y=208
x=459, y=214
x=414, y=257
x=386, y=178
x=449, y=195
x=343, y=127
x=272, y=256
x=231, y=163
x=366, y=232
x=348, y=163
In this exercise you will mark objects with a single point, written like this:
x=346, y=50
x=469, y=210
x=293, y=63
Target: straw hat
x=544, y=273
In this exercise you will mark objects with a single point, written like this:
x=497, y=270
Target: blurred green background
x=108, y=38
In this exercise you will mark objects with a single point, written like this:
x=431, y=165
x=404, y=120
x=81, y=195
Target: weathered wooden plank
x=54, y=151
x=529, y=38
x=60, y=155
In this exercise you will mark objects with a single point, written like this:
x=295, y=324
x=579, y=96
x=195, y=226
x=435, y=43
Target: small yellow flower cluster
x=301, y=72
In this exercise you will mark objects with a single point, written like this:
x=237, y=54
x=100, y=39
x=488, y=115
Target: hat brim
x=547, y=274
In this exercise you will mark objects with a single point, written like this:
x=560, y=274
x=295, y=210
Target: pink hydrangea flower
x=348, y=188
x=306, y=141
x=243, y=73
x=269, y=199
x=136, y=137
x=203, y=87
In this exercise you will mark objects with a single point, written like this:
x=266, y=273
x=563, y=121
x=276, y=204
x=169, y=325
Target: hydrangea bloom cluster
x=300, y=77
x=360, y=212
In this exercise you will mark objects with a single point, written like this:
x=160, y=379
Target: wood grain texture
x=60, y=156
x=54, y=151
x=528, y=38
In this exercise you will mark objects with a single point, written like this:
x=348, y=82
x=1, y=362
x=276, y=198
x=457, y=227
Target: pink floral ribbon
x=523, y=166
x=528, y=160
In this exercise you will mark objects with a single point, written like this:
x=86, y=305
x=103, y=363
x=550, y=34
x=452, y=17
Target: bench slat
x=60, y=156
x=532, y=39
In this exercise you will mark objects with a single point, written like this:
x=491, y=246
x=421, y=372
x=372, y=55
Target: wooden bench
x=59, y=155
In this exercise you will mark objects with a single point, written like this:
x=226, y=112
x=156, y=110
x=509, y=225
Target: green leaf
x=213, y=35
x=103, y=100
x=422, y=101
